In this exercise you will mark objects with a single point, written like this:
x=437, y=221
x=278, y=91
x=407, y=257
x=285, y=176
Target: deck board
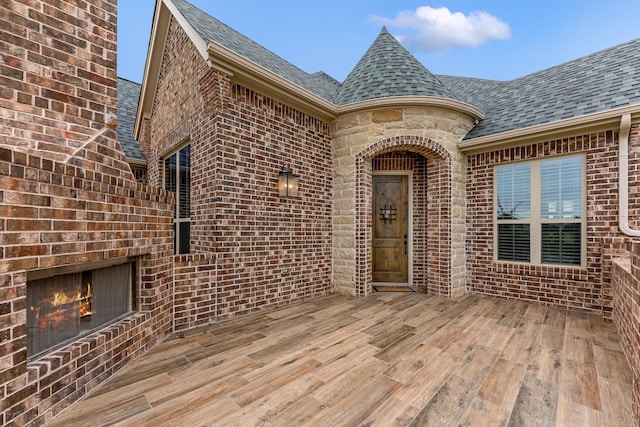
x=386, y=360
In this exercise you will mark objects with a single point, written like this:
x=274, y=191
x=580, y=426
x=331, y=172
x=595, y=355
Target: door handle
x=405, y=244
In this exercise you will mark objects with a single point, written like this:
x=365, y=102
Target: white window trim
x=535, y=221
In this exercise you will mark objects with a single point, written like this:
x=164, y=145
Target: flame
x=59, y=315
x=85, y=303
x=61, y=298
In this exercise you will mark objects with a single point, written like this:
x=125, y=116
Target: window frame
x=177, y=220
x=535, y=220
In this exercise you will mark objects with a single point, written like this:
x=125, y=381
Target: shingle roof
x=388, y=69
x=595, y=83
x=210, y=29
x=128, y=94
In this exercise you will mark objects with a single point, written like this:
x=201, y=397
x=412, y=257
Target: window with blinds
x=177, y=178
x=539, y=211
x=513, y=212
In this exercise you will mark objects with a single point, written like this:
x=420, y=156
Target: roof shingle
x=128, y=94
x=595, y=83
x=388, y=69
x=211, y=29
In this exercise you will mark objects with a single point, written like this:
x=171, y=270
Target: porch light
x=288, y=183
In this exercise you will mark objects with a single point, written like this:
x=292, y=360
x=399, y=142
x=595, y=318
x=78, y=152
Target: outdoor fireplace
x=66, y=306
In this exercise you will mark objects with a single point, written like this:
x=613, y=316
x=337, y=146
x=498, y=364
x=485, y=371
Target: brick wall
x=58, y=73
x=626, y=312
x=250, y=249
x=195, y=296
x=55, y=215
x=588, y=288
x=624, y=290
x=178, y=102
x=270, y=250
x=68, y=199
x=634, y=177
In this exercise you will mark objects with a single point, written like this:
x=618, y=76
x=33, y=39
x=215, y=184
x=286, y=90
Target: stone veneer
x=433, y=133
x=68, y=198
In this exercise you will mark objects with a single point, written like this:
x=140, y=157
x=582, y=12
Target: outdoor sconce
x=288, y=183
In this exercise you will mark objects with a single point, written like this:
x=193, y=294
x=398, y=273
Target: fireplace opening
x=67, y=306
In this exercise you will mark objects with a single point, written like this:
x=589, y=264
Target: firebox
x=67, y=306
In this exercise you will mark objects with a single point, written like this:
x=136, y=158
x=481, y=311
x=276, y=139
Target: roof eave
x=247, y=72
x=136, y=162
x=422, y=101
x=603, y=120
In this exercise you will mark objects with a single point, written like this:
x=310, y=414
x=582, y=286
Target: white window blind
x=514, y=206
x=539, y=211
x=177, y=178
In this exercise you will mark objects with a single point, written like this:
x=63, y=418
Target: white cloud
x=438, y=29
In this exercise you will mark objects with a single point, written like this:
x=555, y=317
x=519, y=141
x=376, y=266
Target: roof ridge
x=212, y=29
x=579, y=59
x=387, y=69
x=128, y=80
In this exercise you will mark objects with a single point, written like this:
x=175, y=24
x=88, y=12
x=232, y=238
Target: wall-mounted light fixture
x=288, y=183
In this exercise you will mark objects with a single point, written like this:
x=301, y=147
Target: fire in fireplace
x=67, y=306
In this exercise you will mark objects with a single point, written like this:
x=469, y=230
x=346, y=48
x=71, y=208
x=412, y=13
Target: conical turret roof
x=387, y=69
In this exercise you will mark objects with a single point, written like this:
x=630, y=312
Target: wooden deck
x=393, y=359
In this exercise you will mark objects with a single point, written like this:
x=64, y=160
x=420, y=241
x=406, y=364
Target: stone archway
x=431, y=131
x=438, y=210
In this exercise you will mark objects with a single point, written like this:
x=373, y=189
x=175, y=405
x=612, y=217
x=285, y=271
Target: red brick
x=42, y=199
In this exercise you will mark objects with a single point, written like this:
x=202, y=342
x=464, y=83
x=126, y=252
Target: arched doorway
x=397, y=218
x=421, y=170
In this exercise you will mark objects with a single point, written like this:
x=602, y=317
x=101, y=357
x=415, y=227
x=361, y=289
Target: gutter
x=256, y=76
x=422, y=101
x=623, y=173
x=603, y=120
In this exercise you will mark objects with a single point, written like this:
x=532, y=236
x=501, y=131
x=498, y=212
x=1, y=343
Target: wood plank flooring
x=393, y=359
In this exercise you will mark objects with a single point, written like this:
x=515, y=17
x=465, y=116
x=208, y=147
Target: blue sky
x=491, y=39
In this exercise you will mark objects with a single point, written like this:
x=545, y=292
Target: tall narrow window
x=514, y=212
x=539, y=211
x=177, y=178
x=561, y=210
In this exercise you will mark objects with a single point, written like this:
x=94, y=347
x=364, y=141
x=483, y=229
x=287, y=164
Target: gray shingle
x=210, y=29
x=128, y=94
x=388, y=69
x=598, y=82
x=602, y=81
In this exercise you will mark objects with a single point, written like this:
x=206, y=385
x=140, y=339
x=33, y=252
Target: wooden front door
x=390, y=228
